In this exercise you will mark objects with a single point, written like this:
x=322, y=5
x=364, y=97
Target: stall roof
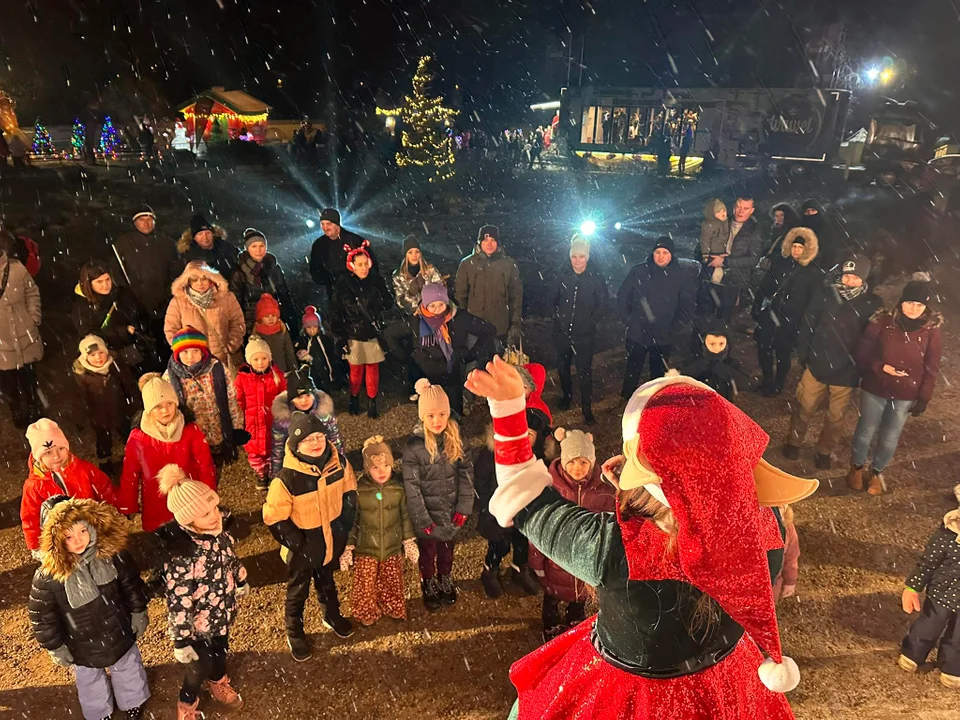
x=236, y=100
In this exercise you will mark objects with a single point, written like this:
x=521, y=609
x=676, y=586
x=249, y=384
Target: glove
x=240, y=437
x=139, y=622
x=919, y=408
x=62, y=656
x=37, y=555
x=514, y=337
x=459, y=519
x=411, y=550
x=185, y=655
x=788, y=591
x=429, y=530
x=346, y=560
x=242, y=591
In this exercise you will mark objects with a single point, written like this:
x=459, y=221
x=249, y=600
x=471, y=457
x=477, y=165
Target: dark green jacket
x=381, y=523
x=490, y=288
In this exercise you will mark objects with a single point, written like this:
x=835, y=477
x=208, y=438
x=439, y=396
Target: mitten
x=346, y=560
x=429, y=530
x=185, y=655
x=240, y=437
x=411, y=550
x=459, y=519
x=242, y=591
x=919, y=408
x=62, y=656
x=139, y=622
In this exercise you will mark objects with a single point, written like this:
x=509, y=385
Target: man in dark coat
x=328, y=259
x=578, y=305
x=653, y=297
x=488, y=285
x=832, y=326
x=744, y=247
x=259, y=272
x=206, y=242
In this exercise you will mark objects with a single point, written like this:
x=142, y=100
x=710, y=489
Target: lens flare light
x=588, y=228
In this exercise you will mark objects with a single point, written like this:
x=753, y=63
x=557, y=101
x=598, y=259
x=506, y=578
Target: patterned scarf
x=849, y=293
x=434, y=331
x=82, y=585
x=201, y=300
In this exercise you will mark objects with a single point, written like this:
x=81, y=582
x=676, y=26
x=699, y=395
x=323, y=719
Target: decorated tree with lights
x=78, y=140
x=42, y=142
x=426, y=142
x=109, y=138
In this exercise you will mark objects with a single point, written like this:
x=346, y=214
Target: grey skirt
x=365, y=352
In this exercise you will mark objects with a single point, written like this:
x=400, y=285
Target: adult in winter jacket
x=328, y=255
x=258, y=272
x=163, y=437
x=937, y=572
x=20, y=342
x=258, y=383
x=783, y=219
x=202, y=300
x=578, y=306
x=743, y=248
x=54, y=470
x=146, y=261
x=206, y=243
x=789, y=286
x=654, y=296
x=835, y=319
x=88, y=606
x=303, y=396
x=414, y=272
x=899, y=360
x=488, y=286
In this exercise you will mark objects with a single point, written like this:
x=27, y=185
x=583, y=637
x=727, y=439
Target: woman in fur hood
x=207, y=243
x=87, y=605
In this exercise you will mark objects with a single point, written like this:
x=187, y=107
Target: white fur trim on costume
x=640, y=398
x=657, y=492
x=779, y=677
x=517, y=486
x=506, y=408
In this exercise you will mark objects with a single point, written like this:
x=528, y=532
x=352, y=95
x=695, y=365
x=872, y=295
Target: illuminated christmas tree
x=42, y=142
x=78, y=140
x=109, y=138
x=426, y=142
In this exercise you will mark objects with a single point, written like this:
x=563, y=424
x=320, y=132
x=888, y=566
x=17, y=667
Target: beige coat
x=222, y=322
x=20, y=342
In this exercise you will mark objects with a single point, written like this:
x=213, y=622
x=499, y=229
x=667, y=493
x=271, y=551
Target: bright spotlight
x=310, y=223
x=872, y=74
x=886, y=76
x=588, y=227
x=617, y=225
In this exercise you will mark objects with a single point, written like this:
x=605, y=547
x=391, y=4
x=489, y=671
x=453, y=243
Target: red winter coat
x=884, y=342
x=145, y=456
x=535, y=400
x=593, y=494
x=255, y=394
x=81, y=480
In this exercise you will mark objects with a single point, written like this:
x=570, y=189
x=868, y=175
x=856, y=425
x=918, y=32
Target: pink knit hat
x=187, y=499
x=45, y=434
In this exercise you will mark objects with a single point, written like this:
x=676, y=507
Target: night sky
x=62, y=58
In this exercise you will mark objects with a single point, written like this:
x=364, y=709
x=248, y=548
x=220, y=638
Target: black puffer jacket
x=578, y=304
x=746, y=250
x=652, y=300
x=436, y=489
x=359, y=307
x=248, y=283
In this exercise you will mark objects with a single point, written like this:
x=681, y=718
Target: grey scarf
x=202, y=300
x=82, y=586
x=849, y=293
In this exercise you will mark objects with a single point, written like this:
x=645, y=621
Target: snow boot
x=223, y=693
x=876, y=485
x=430, y=597
x=822, y=461
x=299, y=647
x=332, y=619
x=188, y=712
x=855, y=477
x=490, y=580
x=907, y=664
x=354, y=407
x=950, y=681
x=790, y=452
x=525, y=579
x=565, y=402
x=372, y=409
x=134, y=713
x=588, y=417
x=446, y=589
x=263, y=480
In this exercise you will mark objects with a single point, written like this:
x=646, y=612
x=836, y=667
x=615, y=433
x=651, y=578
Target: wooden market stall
x=226, y=115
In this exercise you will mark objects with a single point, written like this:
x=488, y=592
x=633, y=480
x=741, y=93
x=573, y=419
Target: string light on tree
x=42, y=142
x=426, y=142
x=78, y=140
x=109, y=139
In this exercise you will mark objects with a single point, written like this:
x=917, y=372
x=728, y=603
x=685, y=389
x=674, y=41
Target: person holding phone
x=899, y=357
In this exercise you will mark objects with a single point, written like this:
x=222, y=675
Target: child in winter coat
x=438, y=478
x=382, y=535
x=54, y=470
x=576, y=476
x=303, y=396
x=163, y=436
x=715, y=367
x=274, y=332
x=310, y=509
x=937, y=572
x=88, y=607
x=258, y=383
x=202, y=580
x=109, y=393
x=319, y=350
x=203, y=385
x=714, y=236
x=786, y=583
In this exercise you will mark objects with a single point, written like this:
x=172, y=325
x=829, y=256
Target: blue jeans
x=881, y=419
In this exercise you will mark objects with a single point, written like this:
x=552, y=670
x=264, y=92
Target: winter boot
x=490, y=580
x=372, y=409
x=822, y=461
x=263, y=480
x=525, y=579
x=134, y=713
x=446, y=589
x=772, y=390
x=332, y=619
x=907, y=664
x=588, y=417
x=223, y=693
x=855, y=477
x=431, y=599
x=354, y=407
x=950, y=681
x=565, y=402
x=876, y=485
x=299, y=646
x=188, y=712
x=790, y=452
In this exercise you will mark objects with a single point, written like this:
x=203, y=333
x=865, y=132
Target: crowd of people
x=194, y=349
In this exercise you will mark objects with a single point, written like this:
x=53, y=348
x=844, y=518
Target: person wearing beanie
x=302, y=395
x=832, y=326
x=899, y=359
x=203, y=385
x=275, y=333
x=207, y=243
x=655, y=296
x=88, y=607
x=201, y=580
x=360, y=307
x=258, y=383
x=381, y=536
x=716, y=367
x=318, y=350
x=109, y=394
x=579, y=305
x=488, y=285
x=576, y=477
x=258, y=272
x=162, y=437
x=414, y=272
x=785, y=293
x=447, y=340
x=328, y=256
x=310, y=509
x=54, y=470
x=438, y=479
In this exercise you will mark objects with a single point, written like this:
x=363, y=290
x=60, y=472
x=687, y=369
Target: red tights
x=373, y=379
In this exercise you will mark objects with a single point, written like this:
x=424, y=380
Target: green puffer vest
x=381, y=523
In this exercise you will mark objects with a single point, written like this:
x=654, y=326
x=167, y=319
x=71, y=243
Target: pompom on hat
x=375, y=452
x=575, y=444
x=311, y=317
x=187, y=499
x=45, y=434
x=156, y=390
x=267, y=305
x=432, y=398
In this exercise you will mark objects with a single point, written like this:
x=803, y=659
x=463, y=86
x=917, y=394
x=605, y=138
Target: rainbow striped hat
x=187, y=338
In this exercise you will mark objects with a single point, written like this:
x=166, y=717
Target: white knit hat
x=256, y=345
x=156, y=390
x=579, y=244
x=575, y=444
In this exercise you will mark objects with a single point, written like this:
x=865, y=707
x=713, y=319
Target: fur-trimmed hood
x=179, y=286
x=282, y=410
x=111, y=529
x=934, y=317
x=810, y=244
x=186, y=238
